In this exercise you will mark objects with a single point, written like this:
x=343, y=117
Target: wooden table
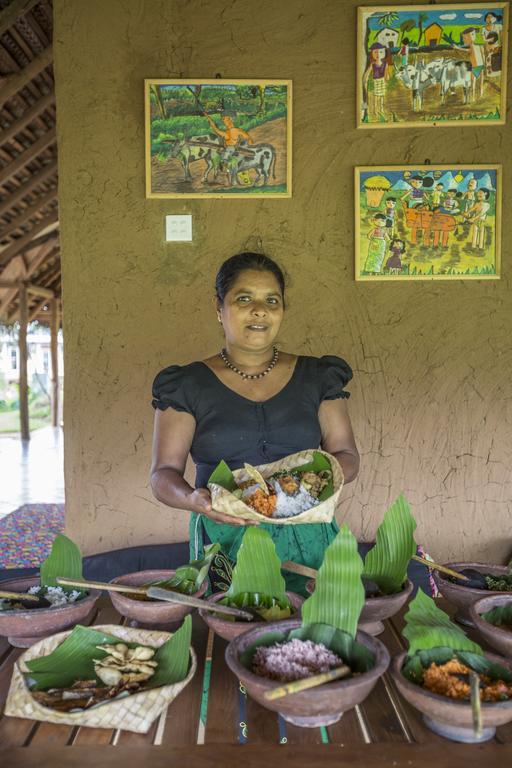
x=214, y=723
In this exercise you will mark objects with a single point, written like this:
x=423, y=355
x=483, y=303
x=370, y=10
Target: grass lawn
x=10, y=421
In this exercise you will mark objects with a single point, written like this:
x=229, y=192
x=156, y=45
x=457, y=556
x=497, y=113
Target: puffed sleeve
x=170, y=390
x=334, y=375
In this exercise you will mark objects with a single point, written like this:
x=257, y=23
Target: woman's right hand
x=201, y=502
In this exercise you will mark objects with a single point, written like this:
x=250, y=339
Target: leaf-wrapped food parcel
x=225, y=487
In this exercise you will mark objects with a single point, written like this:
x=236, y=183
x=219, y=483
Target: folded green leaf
x=501, y=616
x=73, y=659
x=258, y=568
x=356, y=655
x=421, y=660
x=223, y=476
x=188, y=578
x=65, y=560
x=427, y=626
x=338, y=598
x=386, y=563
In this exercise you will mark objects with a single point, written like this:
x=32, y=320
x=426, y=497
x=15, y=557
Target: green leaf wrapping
x=65, y=560
x=338, y=598
x=356, y=655
x=223, y=476
x=74, y=658
x=427, y=626
x=188, y=578
x=415, y=664
x=386, y=563
x=501, y=616
x=258, y=568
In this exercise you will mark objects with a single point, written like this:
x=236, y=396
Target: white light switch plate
x=178, y=228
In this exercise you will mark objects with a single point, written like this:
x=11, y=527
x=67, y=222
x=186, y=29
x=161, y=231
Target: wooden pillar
x=22, y=343
x=54, y=328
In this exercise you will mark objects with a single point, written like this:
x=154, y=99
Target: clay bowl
x=376, y=609
x=25, y=627
x=464, y=597
x=449, y=718
x=231, y=629
x=152, y=613
x=499, y=638
x=323, y=705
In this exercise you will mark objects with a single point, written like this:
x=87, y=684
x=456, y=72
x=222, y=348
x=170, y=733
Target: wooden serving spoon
x=157, y=593
x=304, y=570
x=26, y=600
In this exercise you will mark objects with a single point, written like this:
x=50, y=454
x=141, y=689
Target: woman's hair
x=233, y=266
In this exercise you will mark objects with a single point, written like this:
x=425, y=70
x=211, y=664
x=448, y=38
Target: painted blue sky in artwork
x=469, y=17
x=448, y=177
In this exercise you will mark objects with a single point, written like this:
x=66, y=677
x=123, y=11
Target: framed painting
x=432, y=65
x=218, y=138
x=428, y=222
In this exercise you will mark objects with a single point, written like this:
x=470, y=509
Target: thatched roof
x=29, y=224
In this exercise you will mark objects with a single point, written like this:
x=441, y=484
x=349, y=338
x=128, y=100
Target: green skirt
x=304, y=543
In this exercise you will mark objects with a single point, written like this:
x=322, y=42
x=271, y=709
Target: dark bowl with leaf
x=387, y=587
x=492, y=616
x=313, y=670
x=257, y=586
x=462, y=692
x=482, y=580
x=188, y=579
x=43, y=607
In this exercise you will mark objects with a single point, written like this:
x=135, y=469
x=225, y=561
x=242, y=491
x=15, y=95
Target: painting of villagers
x=426, y=65
x=218, y=138
x=428, y=222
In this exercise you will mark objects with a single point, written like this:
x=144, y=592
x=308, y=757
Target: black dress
x=236, y=429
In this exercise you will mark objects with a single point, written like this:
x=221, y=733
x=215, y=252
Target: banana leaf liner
x=224, y=501
x=130, y=713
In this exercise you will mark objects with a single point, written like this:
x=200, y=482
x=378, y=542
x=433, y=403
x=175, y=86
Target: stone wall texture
x=431, y=396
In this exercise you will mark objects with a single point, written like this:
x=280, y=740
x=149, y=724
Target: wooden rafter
x=21, y=243
x=14, y=83
x=27, y=214
x=13, y=11
x=20, y=162
x=46, y=251
x=26, y=189
x=36, y=109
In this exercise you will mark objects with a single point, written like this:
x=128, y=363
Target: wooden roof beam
x=46, y=251
x=22, y=160
x=10, y=132
x=14, y=10
x=23, y=243
x=27, y=214
x=36, y=290
x=14, y=83
x=26, y=189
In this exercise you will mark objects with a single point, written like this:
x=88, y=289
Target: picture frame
x=428, y=222
x=432, y=65
x=215, y=138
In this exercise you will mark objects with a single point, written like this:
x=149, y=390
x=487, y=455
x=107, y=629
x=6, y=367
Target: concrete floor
x=31, y=471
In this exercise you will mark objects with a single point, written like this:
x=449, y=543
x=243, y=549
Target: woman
x=249, y=403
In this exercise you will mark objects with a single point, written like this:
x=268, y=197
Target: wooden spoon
x=304, y=570
x=26, y=600
x=157, y=593
x=308, y=682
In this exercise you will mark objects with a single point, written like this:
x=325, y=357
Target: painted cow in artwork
x=208, y=147
x=435, y=227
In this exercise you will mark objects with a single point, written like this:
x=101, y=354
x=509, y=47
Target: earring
x=219, y=318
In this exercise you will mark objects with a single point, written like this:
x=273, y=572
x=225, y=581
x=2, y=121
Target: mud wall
x=431, y=399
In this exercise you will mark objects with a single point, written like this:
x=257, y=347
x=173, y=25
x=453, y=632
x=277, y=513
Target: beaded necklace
x=224, y=357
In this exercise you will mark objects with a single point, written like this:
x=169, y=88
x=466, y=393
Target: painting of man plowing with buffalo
x=428, y=222
x=218, y=138
x=429, y=65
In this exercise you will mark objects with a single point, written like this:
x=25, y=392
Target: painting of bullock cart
x=218, y=138
x=428, y=65
x=428, y=222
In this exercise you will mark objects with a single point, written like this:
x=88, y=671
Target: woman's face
x=252, y=311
